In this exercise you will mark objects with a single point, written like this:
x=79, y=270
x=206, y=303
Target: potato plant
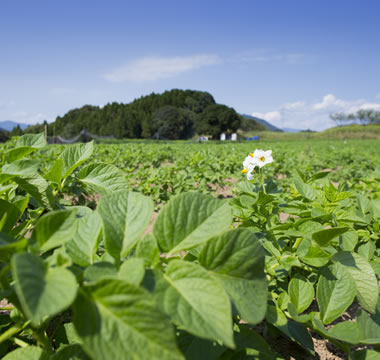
x=84, y=275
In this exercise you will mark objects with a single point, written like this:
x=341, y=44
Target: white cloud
x=271, y=55
x=153, y=68
x=24, y=117
x=329, y=101
x=367, y=106
x=271, y=116
x=314, y=115
x=293, y=106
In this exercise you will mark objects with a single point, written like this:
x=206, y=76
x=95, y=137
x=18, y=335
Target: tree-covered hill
x=174, y=114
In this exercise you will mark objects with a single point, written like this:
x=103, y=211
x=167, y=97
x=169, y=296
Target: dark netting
x=83, y=136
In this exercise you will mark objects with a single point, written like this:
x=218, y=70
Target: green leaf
x=103, y=178
x=348, y=240
x=18, y=153
x=253, y=344
x=9, y=245
x=38, y=188
x=335, y=292
x=75, y=155
x=27, y=353
x=82, y=247
x=365, y=355
x=376, y=266
x=195, y=348
x=364, y=204
x=347, y=331
x=148, y=250
x=5, y=177
x=319, y=175
x=367, y=249
x=125, y=216
x=370, y=326
x=70, y=352
x=22, y=167
x=323, y=237
x=118, y=320
x=301, y=293
x=99, y=271
x=309, y=227
x=22, y=203
x=263, y=199
x=306, y=190
x=132, y=270
x=303, y=319
x=55, y=229
x=9, y=214
x=43, y=292
x=295, y=331
x=36, y=141
x=236, y=259
x=24, y=146
x=189, y=220
x=311, y=255
x=363, y=276
x=55, y=172
x=195, y=301
x=375, y=203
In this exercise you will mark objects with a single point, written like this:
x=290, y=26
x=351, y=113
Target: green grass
x=339, y=133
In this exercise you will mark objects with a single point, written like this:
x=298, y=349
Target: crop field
x=176, y=250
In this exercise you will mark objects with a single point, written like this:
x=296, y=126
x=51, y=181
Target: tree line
x=364, y=117
x=174, y=114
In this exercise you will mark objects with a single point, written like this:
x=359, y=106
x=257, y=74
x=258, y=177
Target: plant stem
x=10, y=332
x=262, y=180
x=20, y=342
x=43, y=340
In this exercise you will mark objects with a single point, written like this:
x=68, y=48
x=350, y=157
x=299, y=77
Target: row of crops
x=167, y=251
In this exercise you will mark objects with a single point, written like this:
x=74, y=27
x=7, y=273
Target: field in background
x=340, y=132
x=107, y=219
x=163, y=169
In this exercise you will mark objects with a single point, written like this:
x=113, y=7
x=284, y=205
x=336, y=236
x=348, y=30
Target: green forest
x=174, y=114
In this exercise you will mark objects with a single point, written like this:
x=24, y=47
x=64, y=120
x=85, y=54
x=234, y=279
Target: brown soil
x=149, y=229
x=3, y=304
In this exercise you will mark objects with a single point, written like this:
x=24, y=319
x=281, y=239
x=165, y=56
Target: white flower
x=249, y=164
x=258, y=158
x=262, y=157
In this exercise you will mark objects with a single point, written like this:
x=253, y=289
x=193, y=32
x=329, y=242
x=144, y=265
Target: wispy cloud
x=314, y=115
x=154, y=68
x=24, y=117
x=273, y=56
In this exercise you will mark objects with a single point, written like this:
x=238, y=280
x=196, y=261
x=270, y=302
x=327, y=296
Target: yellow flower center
x=251, y=154
x=244, y=171
x=262, y=158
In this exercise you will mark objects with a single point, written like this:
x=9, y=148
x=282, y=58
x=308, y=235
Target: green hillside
x=175, y=114
x=352, y=132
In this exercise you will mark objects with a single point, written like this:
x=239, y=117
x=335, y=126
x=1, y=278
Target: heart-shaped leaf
x=43, y=292
x=189, y=220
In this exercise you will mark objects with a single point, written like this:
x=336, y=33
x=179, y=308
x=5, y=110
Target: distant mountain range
x=269, y=125
x=291, y=130
x=262, y=122
x=10, y=125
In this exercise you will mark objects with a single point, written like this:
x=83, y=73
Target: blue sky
x=290, y=62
